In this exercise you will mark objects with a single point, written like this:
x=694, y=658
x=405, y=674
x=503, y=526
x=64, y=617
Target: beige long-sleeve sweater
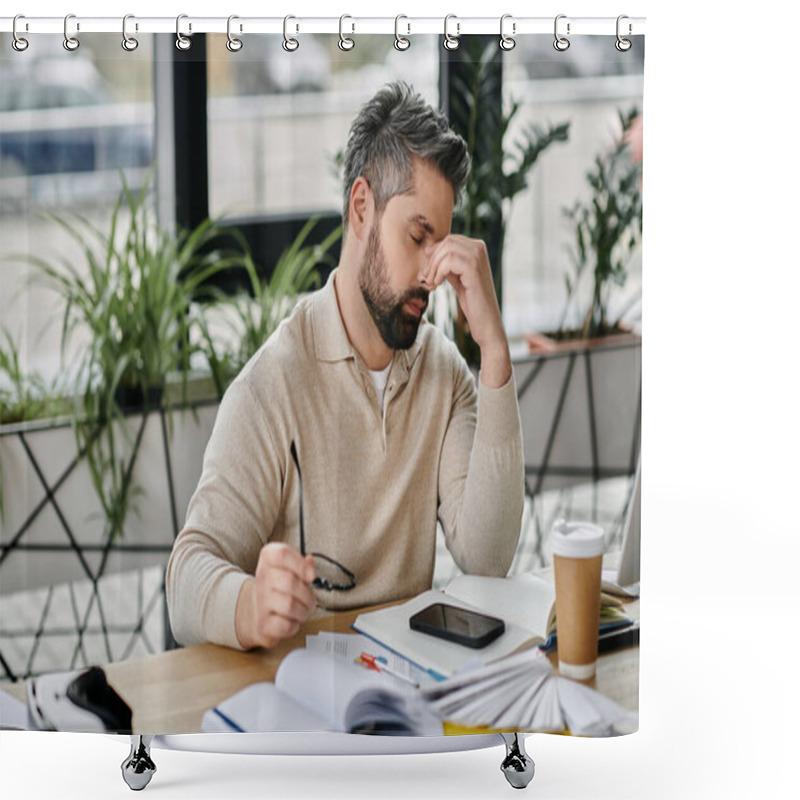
x=374, y=482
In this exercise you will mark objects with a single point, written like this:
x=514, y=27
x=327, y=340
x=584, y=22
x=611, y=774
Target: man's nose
x=425, y=282
x=425, y=261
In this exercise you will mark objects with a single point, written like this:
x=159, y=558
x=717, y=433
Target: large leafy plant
x=134, y=293
x=254, y=313
x=501, y=162
x=607, y=228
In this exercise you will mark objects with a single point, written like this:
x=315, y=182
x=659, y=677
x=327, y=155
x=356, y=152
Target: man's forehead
x=431, y=210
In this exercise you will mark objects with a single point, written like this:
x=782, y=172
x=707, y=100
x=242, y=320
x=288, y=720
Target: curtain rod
x=349, y=25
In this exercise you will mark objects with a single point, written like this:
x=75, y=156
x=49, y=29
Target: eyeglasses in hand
x=331, y=575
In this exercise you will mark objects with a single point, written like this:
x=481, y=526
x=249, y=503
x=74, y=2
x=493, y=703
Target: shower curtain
x=165, y=207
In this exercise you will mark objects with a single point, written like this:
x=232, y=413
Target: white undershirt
x=380, y=378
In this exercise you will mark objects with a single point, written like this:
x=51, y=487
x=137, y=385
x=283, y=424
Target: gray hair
x=393, y=126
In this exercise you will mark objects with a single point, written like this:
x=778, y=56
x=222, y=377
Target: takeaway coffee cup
x=577, y=557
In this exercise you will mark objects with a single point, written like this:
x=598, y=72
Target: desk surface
x=170, y=692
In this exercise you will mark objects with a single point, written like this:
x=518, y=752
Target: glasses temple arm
x=293, y=451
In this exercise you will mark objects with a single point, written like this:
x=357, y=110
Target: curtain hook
x=623, y=45
x=507, y=42
x=400, y=42
x=18, y=43
x=233, y=44
x=128, y=42
x=182, y=42
x=289, y=45
x=71, y=43
x=451, y=42
x=345, y=43
x=561, y=43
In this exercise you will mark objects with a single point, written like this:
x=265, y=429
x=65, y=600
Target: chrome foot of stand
x=138, y=768
x=517, y=766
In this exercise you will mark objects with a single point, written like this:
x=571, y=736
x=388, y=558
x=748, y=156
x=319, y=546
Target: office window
x=69, y=123
x=277, y=119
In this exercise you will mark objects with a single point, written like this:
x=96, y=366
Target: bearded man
x=358, y=425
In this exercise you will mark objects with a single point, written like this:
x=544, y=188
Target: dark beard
x=397, y=328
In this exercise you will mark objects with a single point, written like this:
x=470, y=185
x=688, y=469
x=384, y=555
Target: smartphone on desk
x=459, y=625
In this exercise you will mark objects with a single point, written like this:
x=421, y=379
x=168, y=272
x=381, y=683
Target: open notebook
x=315, y=691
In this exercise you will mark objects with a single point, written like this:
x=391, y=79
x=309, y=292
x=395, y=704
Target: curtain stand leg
x=138, y=768
x=517, y=766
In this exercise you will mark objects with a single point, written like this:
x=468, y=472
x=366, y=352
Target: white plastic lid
x=577, y=539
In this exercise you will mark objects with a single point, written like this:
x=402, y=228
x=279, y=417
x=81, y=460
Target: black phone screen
x=454, y=624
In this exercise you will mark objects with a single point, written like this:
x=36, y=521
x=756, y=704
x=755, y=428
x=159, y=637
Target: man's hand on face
x=273, y=604
x=464, y=264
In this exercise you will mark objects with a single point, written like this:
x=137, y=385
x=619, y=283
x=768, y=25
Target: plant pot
x=550, y=343
x=52, y=534
x=132, y=398
x=580, y=405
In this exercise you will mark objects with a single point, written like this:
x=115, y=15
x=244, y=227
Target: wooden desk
x=170, y=692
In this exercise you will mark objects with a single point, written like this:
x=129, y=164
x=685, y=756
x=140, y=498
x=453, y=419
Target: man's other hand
x=464, y=264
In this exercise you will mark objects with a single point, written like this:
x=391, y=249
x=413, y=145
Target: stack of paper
x=522, y=692
x=589, y=713
x=515, y=692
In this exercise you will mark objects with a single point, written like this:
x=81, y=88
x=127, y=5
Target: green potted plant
x=501, y=164
x=607, y=229
x=253, y=314
x=135, y=294
x=168, y=461
x=581, y=388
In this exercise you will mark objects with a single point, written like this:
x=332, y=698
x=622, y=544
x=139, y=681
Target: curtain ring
x=182, y=42
x=70, y=42
x=506, y=42
x=561, y=43
x=233, y=44
x=345, y=43
x=128, y=42
x=623, y=45
x=289, y=45
x=451, y=42
x=18, y=43
x=400, y=42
